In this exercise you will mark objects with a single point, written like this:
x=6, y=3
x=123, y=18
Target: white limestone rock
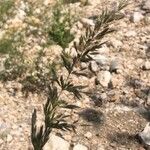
x=56, y=143
x=80, y=147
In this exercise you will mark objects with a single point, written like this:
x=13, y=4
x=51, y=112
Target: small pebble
x=88, y=135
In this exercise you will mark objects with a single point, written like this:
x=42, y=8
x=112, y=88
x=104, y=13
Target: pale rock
x=104, y=78
x=32, y=28
x=2, y=66
x=80, y=147
x=53, y=49
x=114, y=66
x=101, y=147
x=79, y=104
x=92, y=2
x=123, y=24
x=76, y=40
x=56, y=143
x=23, y=5
x=14, y=127
x=38, y=11
x=93, y=66
x=131, y=34
x=1, y=141
x=87, y=22
x=100, y=59
x=83, y=65
x=43, y=41
x=106, y=68
x=139, y=61
x=3, y=126
x=143, y=39
x=2, y=33
x=21, y=14
x=103, y=50
x=137, y=17
x=103, y=96
x=5, y=26
x=74, y=30
x=146, y=5
x=47, y=2
x=146, y=65
x=9, y=138
x=15, y=23
x=116, y=43
x=88, y=135
x=38, y=47
x=79, y=25
x=68, y=137
x=73, y=52
x=145, y=134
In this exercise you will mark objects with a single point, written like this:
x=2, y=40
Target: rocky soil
x=119, y=106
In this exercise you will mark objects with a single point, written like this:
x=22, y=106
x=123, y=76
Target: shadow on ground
x=92, y=116
x=123, y=138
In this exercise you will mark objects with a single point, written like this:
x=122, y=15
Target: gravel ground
x=111, y=117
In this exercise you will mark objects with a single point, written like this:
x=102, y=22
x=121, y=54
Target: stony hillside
x=116, y=106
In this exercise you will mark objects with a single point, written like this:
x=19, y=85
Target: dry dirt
x=109, y=123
